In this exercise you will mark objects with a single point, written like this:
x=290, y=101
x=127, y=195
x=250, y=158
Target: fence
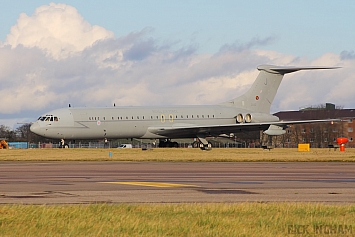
x=18, y=145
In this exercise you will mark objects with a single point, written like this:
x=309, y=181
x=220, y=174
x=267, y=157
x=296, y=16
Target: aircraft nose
x=34, y=127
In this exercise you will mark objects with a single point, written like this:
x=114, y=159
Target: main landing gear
x=203, y=144
x=167, y=143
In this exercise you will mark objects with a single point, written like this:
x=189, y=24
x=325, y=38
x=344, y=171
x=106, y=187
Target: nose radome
x=34, y=127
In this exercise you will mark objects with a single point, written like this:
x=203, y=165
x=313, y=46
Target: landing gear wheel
x=168, y=143
x=195, y=144
x=206, y=147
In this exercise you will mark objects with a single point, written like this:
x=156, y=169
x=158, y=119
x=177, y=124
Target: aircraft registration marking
x=152, y=184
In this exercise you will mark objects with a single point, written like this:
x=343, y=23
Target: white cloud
x=55, y=57
x=56, y=28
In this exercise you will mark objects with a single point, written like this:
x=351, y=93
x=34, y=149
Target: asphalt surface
x=172, y=182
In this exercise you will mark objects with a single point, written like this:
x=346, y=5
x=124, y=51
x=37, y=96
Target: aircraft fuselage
x=132, y=122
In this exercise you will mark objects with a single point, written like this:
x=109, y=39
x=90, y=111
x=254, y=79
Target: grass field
x=178, y=154
x=246, y=219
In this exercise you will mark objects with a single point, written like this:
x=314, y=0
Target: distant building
x=317, y=134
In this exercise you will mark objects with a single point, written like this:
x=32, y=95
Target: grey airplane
x=246, y=113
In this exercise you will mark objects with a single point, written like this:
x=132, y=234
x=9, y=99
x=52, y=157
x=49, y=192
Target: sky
x=160, y=52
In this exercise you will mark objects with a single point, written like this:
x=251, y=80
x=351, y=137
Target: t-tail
x=262, y=93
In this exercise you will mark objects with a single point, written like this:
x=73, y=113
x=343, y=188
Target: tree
x=6, y=132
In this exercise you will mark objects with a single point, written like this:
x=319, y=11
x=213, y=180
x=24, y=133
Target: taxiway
x=173, y=182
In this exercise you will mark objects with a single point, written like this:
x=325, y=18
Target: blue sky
x=92, y=53
x=302, y=28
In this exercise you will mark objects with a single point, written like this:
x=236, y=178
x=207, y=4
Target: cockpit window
x=48, y=118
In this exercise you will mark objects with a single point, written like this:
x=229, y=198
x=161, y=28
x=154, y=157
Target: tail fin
x=262, y=93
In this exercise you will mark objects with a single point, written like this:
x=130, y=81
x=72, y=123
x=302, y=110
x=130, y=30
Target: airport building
x=318, y=135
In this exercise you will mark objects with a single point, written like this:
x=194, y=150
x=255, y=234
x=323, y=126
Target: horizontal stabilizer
x=284, y=69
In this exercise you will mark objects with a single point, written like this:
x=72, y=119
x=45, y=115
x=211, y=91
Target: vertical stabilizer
x=262, y=93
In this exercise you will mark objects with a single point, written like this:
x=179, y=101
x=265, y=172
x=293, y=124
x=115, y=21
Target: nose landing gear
x=62, y=144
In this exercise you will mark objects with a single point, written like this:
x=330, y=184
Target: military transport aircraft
x=248, y=112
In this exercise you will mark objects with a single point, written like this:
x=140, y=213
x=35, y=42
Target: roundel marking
x=98, y=123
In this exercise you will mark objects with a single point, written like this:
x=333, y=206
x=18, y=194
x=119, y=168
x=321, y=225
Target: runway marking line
x=152, y=184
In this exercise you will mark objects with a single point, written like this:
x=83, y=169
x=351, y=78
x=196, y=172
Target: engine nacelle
x=239, y=118
x=255, y=118
x=259, y=117
x=248, y=118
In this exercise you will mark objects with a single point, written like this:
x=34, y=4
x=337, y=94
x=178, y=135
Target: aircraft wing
x=192, y=130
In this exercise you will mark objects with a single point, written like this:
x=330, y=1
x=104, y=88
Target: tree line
x=20, y=134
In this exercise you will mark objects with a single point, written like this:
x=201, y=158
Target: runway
x=173, y=182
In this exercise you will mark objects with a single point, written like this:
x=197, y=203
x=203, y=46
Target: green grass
x=245, y=219
x=178, y=154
